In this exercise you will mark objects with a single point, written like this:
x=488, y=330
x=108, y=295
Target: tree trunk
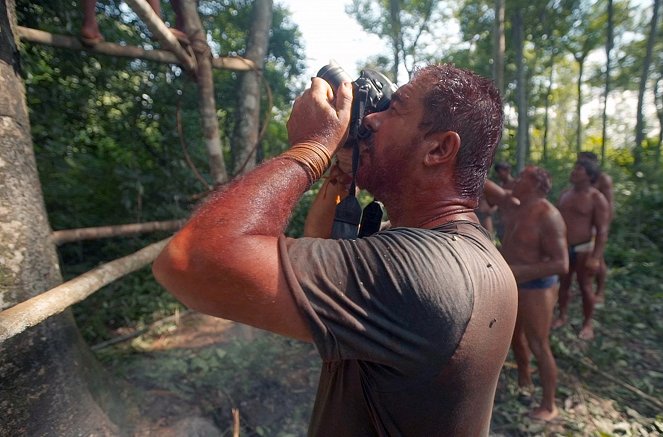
x=606, y=92
x=247, y=129
x=581, y=68
x=521, y=90
x=395, y=16
x=499, y=46
x=48, y=377
x=207, y=101
x=546, y=117
x=640, y=121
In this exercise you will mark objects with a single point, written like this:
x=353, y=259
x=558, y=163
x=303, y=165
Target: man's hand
x=592, y=264
x=318, y=116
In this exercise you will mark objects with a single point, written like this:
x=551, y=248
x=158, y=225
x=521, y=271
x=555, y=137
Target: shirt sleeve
x=396, y=299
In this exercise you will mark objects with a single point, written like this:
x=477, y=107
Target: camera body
x=372, y=93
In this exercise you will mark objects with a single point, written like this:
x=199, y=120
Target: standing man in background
x=587, y=216
x=535, y=247
x=604, y=185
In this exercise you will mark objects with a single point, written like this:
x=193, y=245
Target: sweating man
x=587, y=216
x=413, y=324
x=604, y=185
x=534, y=245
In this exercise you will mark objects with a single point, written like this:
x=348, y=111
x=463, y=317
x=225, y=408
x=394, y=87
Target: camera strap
x=349, y=221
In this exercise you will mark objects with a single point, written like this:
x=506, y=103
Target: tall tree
x=640, y=119
x=401, y=22
x=608, y=64
x=522, y=136
x=46, y=372
x=499, y=46
x=245, y=142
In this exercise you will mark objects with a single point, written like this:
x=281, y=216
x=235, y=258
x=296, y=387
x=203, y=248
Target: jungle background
x=576, y=75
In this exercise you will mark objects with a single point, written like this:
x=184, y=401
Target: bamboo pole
x=207, y=102
x=69, y=235
x=161, y=32
x=124, y=51
x=33, y=311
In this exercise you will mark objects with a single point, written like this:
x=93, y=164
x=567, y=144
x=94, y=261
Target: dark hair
x=470, y=105
x=591, y=167
x=543, y=178
x=588, y=155
x=502, y=165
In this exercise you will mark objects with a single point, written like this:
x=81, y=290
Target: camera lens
x=334, y=75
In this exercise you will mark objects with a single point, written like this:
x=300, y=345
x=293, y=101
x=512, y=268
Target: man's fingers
x=344, y=101
x=321, y=87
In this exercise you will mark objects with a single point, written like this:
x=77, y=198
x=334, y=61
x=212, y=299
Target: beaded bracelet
x=313, y=156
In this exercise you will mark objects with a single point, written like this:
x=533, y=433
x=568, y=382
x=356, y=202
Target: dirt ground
x=204, y=376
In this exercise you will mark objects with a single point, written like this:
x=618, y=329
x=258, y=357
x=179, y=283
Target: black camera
x=372, y=93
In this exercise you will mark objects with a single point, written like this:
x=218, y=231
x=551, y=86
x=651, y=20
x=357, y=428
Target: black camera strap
x=348, y=215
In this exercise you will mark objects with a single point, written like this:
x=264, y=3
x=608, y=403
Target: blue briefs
x=545, y=282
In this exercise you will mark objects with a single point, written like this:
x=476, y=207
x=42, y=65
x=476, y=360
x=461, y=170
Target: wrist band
x=313, y=156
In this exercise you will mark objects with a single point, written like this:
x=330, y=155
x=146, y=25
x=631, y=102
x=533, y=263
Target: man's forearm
x=530, y=272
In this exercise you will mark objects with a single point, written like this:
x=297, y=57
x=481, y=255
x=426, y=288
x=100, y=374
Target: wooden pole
x=69, y=235
x=161, y=32
x=33, y=311
x=207, y=102
x=124, y=51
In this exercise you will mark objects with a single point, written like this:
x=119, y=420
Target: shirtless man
x=506, y=181
x=587, y=216
x=604, y=185
x=534, y=246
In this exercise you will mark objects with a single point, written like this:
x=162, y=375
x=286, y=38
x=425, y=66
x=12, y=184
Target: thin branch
x=161, y=32
x=33, y=311
x=124, y=51
x=185, y=149
x=69, y=235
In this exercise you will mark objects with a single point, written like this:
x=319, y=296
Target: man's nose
x=372, y=121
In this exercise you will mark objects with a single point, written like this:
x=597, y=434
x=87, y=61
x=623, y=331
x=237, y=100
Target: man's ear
x=442, y=147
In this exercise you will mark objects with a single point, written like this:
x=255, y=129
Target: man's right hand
x=319, y=116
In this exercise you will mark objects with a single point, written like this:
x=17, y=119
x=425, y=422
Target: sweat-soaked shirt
x=413, y=326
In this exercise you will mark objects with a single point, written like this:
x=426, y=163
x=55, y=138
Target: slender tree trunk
x=395, y=15
x=247, y=129
x=581, y=67
x=499, y=46
x=546, y=116
x=658, y=101
x=210, y=121
x=608, y=65
x=51, y=384
x=640, y=119
x=521, y=90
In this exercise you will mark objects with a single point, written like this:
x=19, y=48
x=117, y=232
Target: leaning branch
x=33, y=311
x=161, y=33
x=69, y=235
x=124, y=51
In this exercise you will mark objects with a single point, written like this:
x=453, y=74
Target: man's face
x=396, y=132
x=503, y=174
x=579, y=175
x=525, y=184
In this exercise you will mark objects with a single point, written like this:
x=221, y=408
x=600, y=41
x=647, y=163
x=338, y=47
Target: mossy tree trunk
x=47, y=374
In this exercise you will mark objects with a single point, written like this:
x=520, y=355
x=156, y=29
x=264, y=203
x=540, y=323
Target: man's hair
x=588, y=155
x=591, y=167
x=502, y=165
x=470, y=105
x=543, y=178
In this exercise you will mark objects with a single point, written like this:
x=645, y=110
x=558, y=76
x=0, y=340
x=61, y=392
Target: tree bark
x=521, y=90
x=608, y=67
x=210, y=121
x=499, y=46
x=640, y=118
x=395, y=21
x=247, y=129
x=50, y=383
x=581, y=69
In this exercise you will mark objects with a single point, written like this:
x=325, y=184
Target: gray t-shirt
x=387, y=313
